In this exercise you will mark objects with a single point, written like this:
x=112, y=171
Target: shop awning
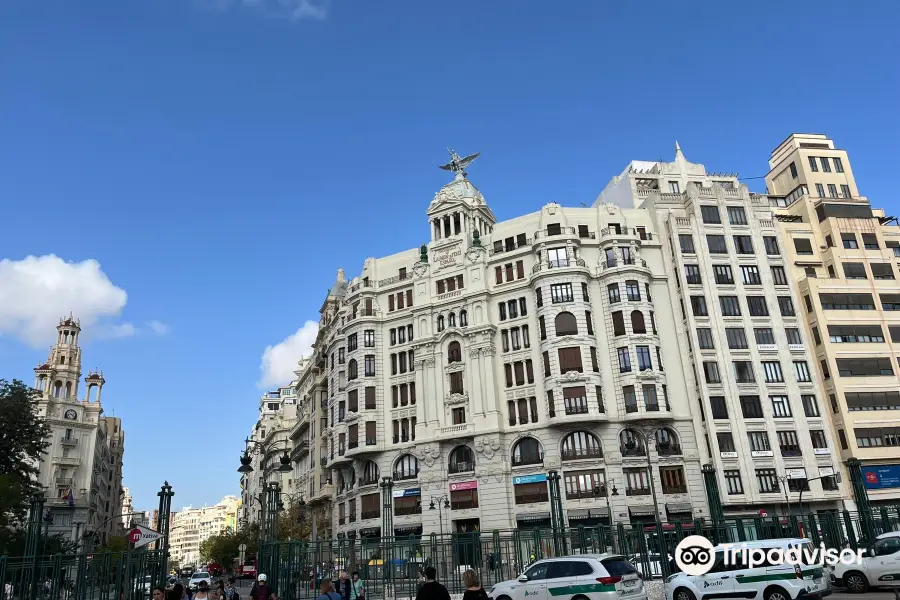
x=530, y=517
x=578, y=513
x=408, y=529
x=370, y=532
x=600, y=513
x=682, y=507
x=642, y=511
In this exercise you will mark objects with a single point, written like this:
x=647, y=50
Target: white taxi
x=766, y=581
x=582, y=576
x=880, y=566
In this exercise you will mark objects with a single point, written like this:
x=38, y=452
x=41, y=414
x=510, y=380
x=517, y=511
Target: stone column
x=421, y=393
x=475, y=372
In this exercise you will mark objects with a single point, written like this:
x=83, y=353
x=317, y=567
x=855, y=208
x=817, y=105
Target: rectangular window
x=643, y=356
x=723, y=274
x=613, y=292
x=838, y=165
x=743, y=371
x=882, y=271
x=736, y=215
x=845, y=190
x=733, y=482
x=618, y=321
x=826, y=166
x=810, y=406
x=718, y=406
x=698, y=306
x=767, y=479
x=624, y=360
x=764, y=336
x=786, y=306
x=868, y=401
x=793, y=336
x=803, y=246
x=813, y=165
x=771, y=243
x=737, y=339
x=781, y=406
x=855, y=334
x=710, y=214
x=716, y=244
x=757, y=307
x=692, y=275
x=801, y=370
x=686, y=241
x=854, y=270
x=788, y=443
x=750, y=274
x=674, y=188
x=851, y=301
x=370, y=365
x=870, y=241
x=570, y=360
x=561, y=292
x=759, y=441
x=730, y=306
x=849, y=241
x=711, y=372
x=779, y=277
x=772, y=371
x=793, y=168
x=704, y=338
x=743, y=244
x=726, y=441
x=864, y=367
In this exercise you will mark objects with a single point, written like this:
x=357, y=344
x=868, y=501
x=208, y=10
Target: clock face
x=71, y=414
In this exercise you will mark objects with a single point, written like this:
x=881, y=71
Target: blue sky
x=220, y=159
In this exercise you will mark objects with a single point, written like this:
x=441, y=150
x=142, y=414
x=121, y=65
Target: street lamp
x=443, y=502
x=606, y=494
x=246, y=468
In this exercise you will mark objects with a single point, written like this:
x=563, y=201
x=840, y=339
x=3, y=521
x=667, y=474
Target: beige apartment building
x=190, y=527
x=844, y=256
x=749, y=364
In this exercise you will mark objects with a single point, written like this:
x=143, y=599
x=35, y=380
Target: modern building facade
x=82, y=469
x=843, y=256
x=747, y=357
x=496, y=356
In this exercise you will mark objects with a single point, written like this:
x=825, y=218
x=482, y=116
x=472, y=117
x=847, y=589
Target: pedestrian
x=230, y=592
x=358, y=587
x=474, y=591
x=431, y=589
x=326, y=591
x=202, y=590
x=261, y=589
x=343, y=586
x=159, y=592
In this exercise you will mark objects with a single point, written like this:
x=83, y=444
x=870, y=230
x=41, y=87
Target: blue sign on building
x=881, y=477
x=407, y=492
x=538, y=478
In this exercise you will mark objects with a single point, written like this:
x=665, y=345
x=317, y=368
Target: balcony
x=400, y=476
x=365, y=481
x=352, y=444
x=528, y=458
x=791, y=451
x=532, y=498
x=668, y=450
x=394, y=279
x=577, y=409
x=461, y=467
x=632, y=450
x=545, y=233
x=598, y=492
x=558, y=264
x=71, y=461
x=637, y=491
x=371, y=514
x=64, y=481
x=500, y=248
x=674, y=489
x=582, y=453
x=68, y=441
x=365, y=283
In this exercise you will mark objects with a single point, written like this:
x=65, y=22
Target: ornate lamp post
x=440, y=503
x=165, y=508
x=246, y=468
x=557, y=521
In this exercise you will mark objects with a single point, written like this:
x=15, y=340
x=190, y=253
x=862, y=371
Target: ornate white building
x=467, y=369
x=82, y=469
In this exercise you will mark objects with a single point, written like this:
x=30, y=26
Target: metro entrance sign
x=141, y=536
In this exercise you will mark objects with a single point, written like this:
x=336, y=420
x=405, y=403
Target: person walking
x=357, y=587
x=261, y=589
x=326, y=591
x=431, y=589
x=230, y=592
x=343, y=587
x=202, y=591
x=474, y=591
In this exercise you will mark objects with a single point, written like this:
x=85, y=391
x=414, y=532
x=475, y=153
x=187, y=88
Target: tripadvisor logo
x=695, y=555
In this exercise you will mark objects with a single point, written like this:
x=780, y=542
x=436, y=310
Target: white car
x=582, y=576
x=762, y=582
x=197, y=577
x=653, y=561
x=881, y=566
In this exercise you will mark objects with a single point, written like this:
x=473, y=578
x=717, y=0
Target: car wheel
x=504, y=598
x=856, y=582
x=684, y=594
x=580, y=598
x=776, y=593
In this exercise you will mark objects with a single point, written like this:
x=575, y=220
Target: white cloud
x=293, y=10
x=158, y=327
x=37, y=290
x=279, y=361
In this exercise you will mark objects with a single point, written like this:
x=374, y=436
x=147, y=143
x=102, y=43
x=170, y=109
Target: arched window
x=462, y=460
x=566, y=324
x=527, y=451
x=451, y=320
x=463, y=318
x=631, y=443
x=370, y=473
x=352, y=370
x=454, y=352
x=58, y=391
x=667, y=442
x=637, y=322
x=406, y=467
x=440, y=326
x=581, y=444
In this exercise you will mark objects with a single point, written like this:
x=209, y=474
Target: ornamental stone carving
x=489, y=350
x=454, y=367
x=476, y=254
x=571, y=376
x=420, y=269
x=485, y=477
x=455, y=399
x=488, y=448
x=474, y=352
x=428, y=361
x=429, y=455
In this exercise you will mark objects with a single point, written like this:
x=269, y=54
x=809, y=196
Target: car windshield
x=201, y=575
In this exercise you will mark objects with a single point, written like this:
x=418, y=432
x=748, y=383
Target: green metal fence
x=101, y=576
x=389, y=566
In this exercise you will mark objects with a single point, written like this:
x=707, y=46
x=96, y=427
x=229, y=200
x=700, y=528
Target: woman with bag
x=357, y=587
x=326, y=591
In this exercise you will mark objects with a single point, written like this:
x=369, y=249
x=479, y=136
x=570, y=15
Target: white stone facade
x=429, y=381
x=82, y=470
x=190, y=527
x=758, y=404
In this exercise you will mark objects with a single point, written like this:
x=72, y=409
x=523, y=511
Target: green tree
x=23, y=440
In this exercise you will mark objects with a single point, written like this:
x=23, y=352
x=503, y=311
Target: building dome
x=460, y=189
